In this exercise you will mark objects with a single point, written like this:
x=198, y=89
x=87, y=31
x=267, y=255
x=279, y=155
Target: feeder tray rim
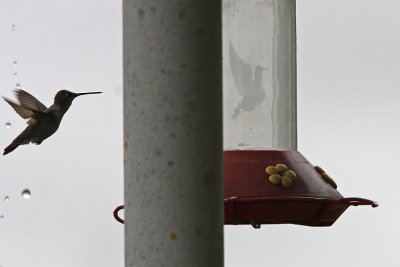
x=351, y=201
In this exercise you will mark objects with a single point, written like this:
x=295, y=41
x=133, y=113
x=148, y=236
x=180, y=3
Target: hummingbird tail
x=21, y=139
x=10, y=148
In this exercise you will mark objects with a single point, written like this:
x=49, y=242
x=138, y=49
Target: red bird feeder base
x=309, y=197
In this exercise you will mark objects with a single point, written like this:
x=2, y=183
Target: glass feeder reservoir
x=266, y=179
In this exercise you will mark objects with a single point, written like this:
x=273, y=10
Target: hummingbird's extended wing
x=24, y=112
x=28, y=113
x=29, y=101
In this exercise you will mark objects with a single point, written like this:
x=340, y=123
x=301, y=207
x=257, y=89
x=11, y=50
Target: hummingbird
x=43, y=121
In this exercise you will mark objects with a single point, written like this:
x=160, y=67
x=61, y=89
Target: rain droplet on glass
x=26, y=194
x=6, y=198
x=13, y=27
x=15, y=74
x=8, y=124
x=18, y=86
x=15, y=63
x=1, y=217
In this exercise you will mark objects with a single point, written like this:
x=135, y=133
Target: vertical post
x=173, y=133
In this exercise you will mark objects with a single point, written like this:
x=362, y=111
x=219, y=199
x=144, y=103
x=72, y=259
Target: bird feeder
x=267, y=181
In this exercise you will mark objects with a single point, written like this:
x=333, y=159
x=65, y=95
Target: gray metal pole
x=173, y=133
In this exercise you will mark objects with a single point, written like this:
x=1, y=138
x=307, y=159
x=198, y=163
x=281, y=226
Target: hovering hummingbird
x=43, y=121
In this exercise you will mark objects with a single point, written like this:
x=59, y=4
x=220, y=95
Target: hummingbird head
x=64, y=98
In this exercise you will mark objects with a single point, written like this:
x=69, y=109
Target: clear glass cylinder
x=259, y=74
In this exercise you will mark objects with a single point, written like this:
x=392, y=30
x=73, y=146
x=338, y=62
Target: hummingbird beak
x=89, y=93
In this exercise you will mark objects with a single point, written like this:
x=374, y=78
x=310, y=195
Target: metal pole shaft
x=173, y=133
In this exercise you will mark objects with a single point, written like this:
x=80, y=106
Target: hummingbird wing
x=28, y=113
x=22, y=111
x=29, y=101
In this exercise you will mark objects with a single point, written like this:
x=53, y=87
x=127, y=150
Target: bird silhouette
x=43, y=121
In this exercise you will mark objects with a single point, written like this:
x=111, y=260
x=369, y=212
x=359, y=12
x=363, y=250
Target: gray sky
x=348, y=79
x=75, y=176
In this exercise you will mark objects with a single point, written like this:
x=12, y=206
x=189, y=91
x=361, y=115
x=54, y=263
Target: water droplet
x=26, y=194
x=8, y=125
x=18, y=86
x=1, y=217
x=15, y=63
x=15, y=74
x=13, y=27
x=6, y=198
